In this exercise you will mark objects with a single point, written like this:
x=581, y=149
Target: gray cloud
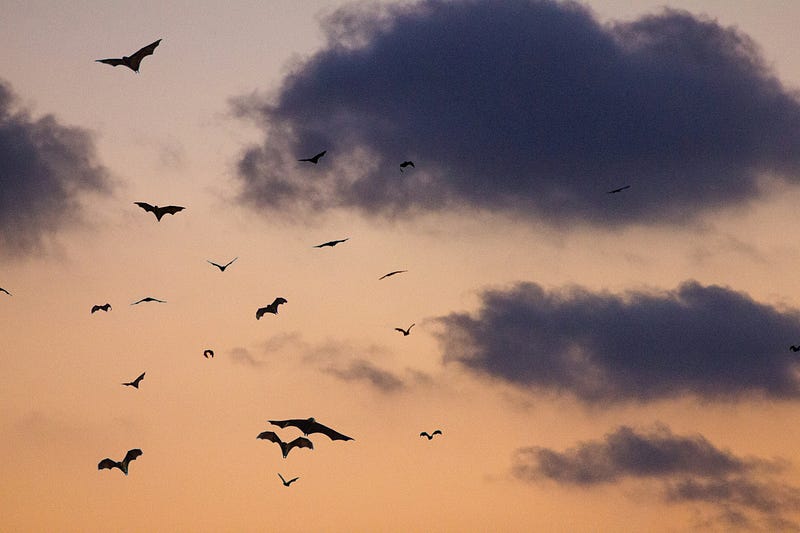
x=363, y=370
x=708, y=341
x=528, y=107
x=45, y=168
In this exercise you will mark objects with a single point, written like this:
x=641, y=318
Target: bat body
x=309, y=426
x=122, y=465
x=430, y=435
x=223, y=267
x=5, y=291
x=160, y=211
x=271, y=308
x=316, y=158
x=208, y=353
x=287, y=483
x=104, y=307
x=392, y=274
x=615, y=191
x=135, y=382
x=331, y=243
x=405, y=332
x=134, y=60
x=405, y=164
x=149, y=299
x=286, y=447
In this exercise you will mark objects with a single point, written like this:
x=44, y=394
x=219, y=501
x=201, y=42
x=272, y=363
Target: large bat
x=309, y=426
x=104, y=307
x=287, y=483
x=314, y=159
x=160, y=211
x=271, y=308
x=132, y=61
x=135, y=382
x=122, y=465
x=223, y=267
x=286, y=447
x=149, y=299
x=331, y=243
x=430, y=435
x=392, y=274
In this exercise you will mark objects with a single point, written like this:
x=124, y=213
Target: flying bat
x=149, y=299
x=392, y=274
x=5, y=291
x=286, y=447
x=271, y=308
x=405, y=164
x=223, y=267
x=135, y=382
x=287, y=483
x=794, y=348
x=104, y=307
x=208, y=353
x=160, y=211
x=134, y=60
x=331, y=243
x=308, y=426
x=316, y=158
x=405, y=332
x=122, y=465
x=430, y=435
x=615, y=191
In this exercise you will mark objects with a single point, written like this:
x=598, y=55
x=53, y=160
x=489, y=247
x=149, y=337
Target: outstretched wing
x=216, y=265
x=278, y=301
x=107, y=463
x=437, y=432
x=299, y=442
x=316, y=427
x=296, y=422
x=140, y=378
x=5, y=291
x=111, y=61
x=260, y=312
x=96, y=308
x=401, y=330
x=170, y=209
x=230, y=262
x=270, y=436
x=146, y=206
x=144, y=51
x=132, y=454
x=425, y=434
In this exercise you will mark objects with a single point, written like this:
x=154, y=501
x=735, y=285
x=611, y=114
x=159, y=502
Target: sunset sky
x=595, y=361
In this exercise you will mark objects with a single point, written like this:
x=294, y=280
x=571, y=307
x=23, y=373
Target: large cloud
x=708, y=341
x=45, y=167
x=529, y=107
x=690, y=469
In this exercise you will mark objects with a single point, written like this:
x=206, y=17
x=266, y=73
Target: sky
x=595, y=361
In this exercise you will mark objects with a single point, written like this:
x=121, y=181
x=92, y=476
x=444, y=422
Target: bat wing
x=107, y=463
x=132, y=454
x=96, y=308
x=299, y=442
x=140, y=378
x=292, y=480
x=216, y=265
x=401, y=330
x=168, y=210
x=283, y=423
x=425, y=434
x=270, y=436
x=437, y=432
x=316, y=427
x=278, y=301
x=146, y=206
x=111, y=61
x=260, y=312
x=231, y=262
x=144, y=51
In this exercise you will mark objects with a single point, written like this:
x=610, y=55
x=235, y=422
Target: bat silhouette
x=286, y=447
x=134, y=60
x=223, y=267
x=135, y=382
x=615, y=191
x=208, y=353
x=287, y=483
x=5, y=291
x=331, y=243
x=405, y=164
x=309, y=426
x=405, y=332
x=271, y=308
x=160, y=211
x=392, y=274
x=430, y=435
x=149, y=299
x=122, y=465
x=794, y=348
x=104, y=307
x=316, y=158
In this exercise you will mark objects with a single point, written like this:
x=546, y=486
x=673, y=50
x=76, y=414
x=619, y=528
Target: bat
x=122, y=465
x=316, y=158
x=430, y=435
x=615, y=191
x=331, y=243
x=287, y=483
x=104, y=307
x=135, y=382
x=149, y=299
x=794, y=348
x=160, y=211
x=405, y=332
x=405, y=164
x=223, y=267
x=392, y=274
x=134, y=60
x=271, y=308
x=286, y=447
x=5, y=291
x=308, y=426
x=208, y=353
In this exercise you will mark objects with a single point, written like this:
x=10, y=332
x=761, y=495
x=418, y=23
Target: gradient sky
x=596, y=362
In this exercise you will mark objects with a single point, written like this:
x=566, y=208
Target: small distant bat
x=122, y=465
x=149, y=299
x=5, y=291
x=392, y=274
x=104, y=307
x=287, y=483
x=223, y=267
x=316, y=158
x=286, y=447
x=160, y=211
x=331, y=243
x=134, y=60
x=794, y=348
x=271, y=308
x=405, y=332
x=135, y=382
x=430, y=435
x=208, y=353
x=308, y=426
x=615, y=191
x=405, y=164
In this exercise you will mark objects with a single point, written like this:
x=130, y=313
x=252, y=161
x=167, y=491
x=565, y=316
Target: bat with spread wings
x=134, y=60
x=309, y=426
x=223, y=267
x=286, y=447
x=104, y=307
x=271, y=308
x=287, y=483
x=135, y=382
x=160, y=211
x=405, y=332
x=122, y=465
x=430, y=435
x=314, y=159
x=331, y=243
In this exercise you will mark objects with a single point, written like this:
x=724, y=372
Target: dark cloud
x=709, y=341
x=689, y=468
x=45, y=167
x=363, y=370
x=528, y=107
